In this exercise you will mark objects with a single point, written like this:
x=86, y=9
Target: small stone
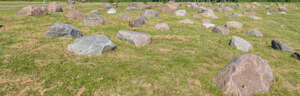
x=235, y=15
x=208, y=13
x=245, y=75
x=187, y=21
x=162, y=26
x=107, y=5
x=151, y=13
x=228, y=9
x=93, y=20
x=124, y=16
x=278, y=45
x=296, y=55
x=112, y=11
x=255, y=33
x=54, y=7
x=91, y=45
x=75, y=15
x=180, y=13
x=136, y=38
x=208, y=25
x=234, y=24
x=70, y=6
x=196, y=16
x=255, y=18
x=240, y=44
x=221, y=30
x=63, y=30
x=138, y=22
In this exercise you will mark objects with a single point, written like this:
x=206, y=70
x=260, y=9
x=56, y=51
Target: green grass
x=182, y=61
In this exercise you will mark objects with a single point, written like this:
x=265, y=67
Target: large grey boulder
x=138, y=22
x=254, y=32
x=180, y=13
x=240, y=44
x=106, y=5
x=278, y=45
x=162, y=26
x=245, y=75
x=234, y=24
x=91, y=45
x=136, y=38
x=54, y=7
x=221, y=30
x=151, y=13
x=93, y=20
x=63, y=30
x=296, y=55
x=32, y=11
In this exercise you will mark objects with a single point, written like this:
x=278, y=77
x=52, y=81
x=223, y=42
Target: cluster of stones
x=245, y=75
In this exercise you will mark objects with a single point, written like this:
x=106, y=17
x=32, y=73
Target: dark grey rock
x=240, y=44
x=278, y=45
x=151, y=13
x=296, y=55
x=245, y=75
x=1, y=25
x=254, y=32
x=221, y=30
x=63, y=30
x=136, y=38
x=93, y=20
x=91, y=45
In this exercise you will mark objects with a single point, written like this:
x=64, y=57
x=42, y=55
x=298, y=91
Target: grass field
x=180, y=62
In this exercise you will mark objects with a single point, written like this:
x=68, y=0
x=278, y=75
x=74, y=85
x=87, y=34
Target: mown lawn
x=182, y=61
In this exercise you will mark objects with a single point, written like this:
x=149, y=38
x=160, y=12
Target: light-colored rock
x=180, y=13
x=136, y=38
x=93, y=20
x=234, y=24
x=63, y=30
x=278, y=45
x=151, y=13
x=32, y=11
x=54, y=7
x=112, y=11
x=162, y=26
x=240, y=44
x=254, y=32
x=138, y=22
x=221, y=30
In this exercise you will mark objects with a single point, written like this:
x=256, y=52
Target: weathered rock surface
x=136, y=38
x=278, y=45
x=245, y=75
x=107, y=5
x=91, y=45
x=254, y=32
x=138, y=22
x=75, y=14
x=93, y=20
x=32, y=11
x=112, y=11
x=180, y=13
x=63, y=30
x=162, y=26
x=54, y=7
x=221, y=30
x=234, y=24
x=240, y=44
x=151, y=13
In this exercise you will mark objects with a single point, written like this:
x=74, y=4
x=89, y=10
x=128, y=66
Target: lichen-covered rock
x=63, y=30
x=186, y=21
x=91, y=45
x=32, y=11
x=136, y=38
x=245, y=75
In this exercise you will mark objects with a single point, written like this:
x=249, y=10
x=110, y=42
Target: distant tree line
x=169, y=0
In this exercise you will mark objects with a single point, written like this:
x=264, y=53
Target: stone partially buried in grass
x=278, y=45
x=296, y=55
x=240, y=44
x=93, y=20
x=151, y=13
x=245, y=75
x=221, y=30
x=32, y=11
x=254, y=32
x=75, y=14
x=180, y=13
x=63, y=30
x=234, y=24
x=91, y=45
x=162, y=26
x=136, y=38
x=138, y=22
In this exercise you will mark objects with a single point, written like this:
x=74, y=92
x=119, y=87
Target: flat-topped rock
x=245, y=75
x=32, y=11
x=278, y=45
x=240, y=44
x=91, y=45
x=93, y=20
x=221, y=30
x=151, y=13
x=75, y=14
x=254, y=32
x=136, y=38
x=162, y=26
x=63, y=30
x=54, y=7
x=234, y=24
